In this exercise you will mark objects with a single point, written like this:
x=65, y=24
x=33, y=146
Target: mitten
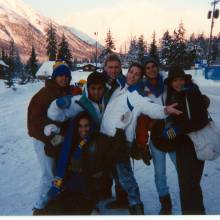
x=57, y=140
x=170, y=132
x=64, y=102
x=51, y=129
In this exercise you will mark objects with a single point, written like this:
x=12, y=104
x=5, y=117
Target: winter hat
x=61, y=70
x=150, y=59
x=175, y=72
x=95, y=78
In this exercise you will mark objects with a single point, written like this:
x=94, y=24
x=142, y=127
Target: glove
x=64, y=102
x=171, y=132
x=57, y=140
x=51, y=129
x=146, y=155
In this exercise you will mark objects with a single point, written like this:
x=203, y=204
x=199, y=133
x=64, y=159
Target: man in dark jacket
x=37, y=119
x=112, y=71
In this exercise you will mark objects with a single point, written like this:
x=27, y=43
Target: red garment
x=144, y=125
x=76, y=90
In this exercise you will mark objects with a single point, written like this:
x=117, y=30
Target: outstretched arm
x=61, y=114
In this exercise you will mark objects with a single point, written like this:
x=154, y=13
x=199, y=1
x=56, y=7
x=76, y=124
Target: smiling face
x=177, y=83
x=151, y=70
x=84, y=126
x=113, y=68
x=62, y=80
x=133, y=75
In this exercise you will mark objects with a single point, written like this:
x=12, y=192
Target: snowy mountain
x=84, y=36
x=24, y=26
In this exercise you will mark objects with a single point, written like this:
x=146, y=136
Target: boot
x=121, y=201
x=38, y=211
x=166, y=205
x=137, y=209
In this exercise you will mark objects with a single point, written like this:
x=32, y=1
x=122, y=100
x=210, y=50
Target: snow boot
x=137, y=209
x=121, y=201
x=38, y=211
x=166, y=205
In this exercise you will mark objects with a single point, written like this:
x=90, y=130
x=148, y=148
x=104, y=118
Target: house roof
x=46, y=69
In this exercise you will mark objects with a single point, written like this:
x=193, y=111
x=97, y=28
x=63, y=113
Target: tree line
x=172, y=48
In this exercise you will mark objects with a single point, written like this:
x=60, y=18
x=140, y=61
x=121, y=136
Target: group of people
x=84, y=139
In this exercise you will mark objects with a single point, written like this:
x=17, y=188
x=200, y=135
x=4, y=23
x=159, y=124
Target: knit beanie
x=61, y=70
x=151, y=60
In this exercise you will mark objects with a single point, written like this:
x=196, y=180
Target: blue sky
x=127, y=18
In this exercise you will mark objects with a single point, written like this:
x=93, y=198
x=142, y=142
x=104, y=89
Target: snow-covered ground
x=20, y=171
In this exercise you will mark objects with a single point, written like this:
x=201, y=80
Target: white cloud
x=128, y=18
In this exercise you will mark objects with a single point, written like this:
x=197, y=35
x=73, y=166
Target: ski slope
x=20, y=171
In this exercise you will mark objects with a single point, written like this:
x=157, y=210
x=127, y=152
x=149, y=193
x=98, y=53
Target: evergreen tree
x=179, y=46
x=18, y=65
x=215, y=50
x=153, y=52
x=75, y=62
x=51, y=43
x=141, y=49
x=166, y=49
x=109, y=42
x=109, y=47
x=11, y=69
x=64, y=53
x=132, y=55
x=32, y=66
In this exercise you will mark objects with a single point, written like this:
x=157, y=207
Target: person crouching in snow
x=89, y=156
x=54, y=88
x=126, y=104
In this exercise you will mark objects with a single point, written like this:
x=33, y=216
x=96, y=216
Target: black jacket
x=197, y=108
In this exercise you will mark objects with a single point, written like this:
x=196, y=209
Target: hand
x=169, y=109
x=170, y=132
x=57, y=140
x=146, y=155
x=51, y=129
x=64, y=102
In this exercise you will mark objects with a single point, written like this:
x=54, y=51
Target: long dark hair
x=81, y=115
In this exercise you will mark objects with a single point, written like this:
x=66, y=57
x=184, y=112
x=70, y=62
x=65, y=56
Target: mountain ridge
x=26, y=27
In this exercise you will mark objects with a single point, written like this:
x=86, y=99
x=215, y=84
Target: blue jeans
x=128, y=182
x=159, y=161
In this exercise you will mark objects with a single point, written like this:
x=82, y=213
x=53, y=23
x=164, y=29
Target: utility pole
x=96, y=48
x=212, y=14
